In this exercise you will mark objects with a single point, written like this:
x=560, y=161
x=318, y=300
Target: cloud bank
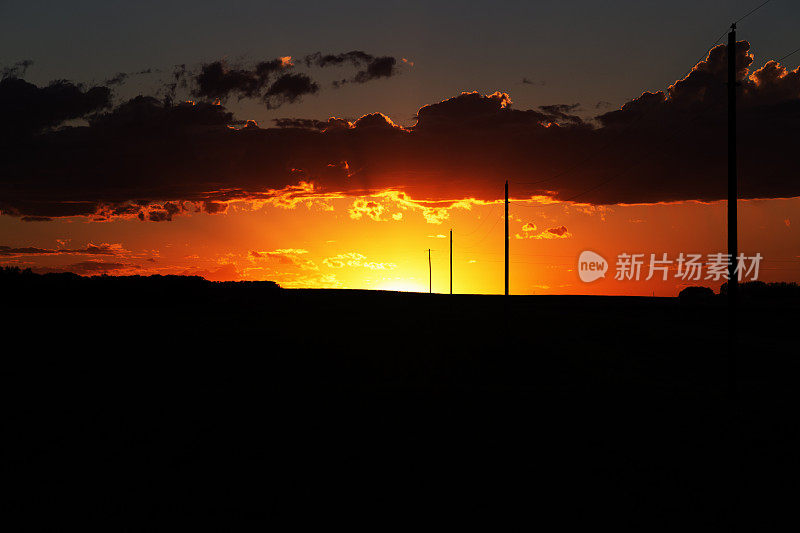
x=155, y=159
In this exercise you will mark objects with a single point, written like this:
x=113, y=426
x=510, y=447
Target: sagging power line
x=732, y=170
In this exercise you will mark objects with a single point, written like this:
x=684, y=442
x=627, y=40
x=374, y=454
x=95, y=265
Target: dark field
x=133, y=406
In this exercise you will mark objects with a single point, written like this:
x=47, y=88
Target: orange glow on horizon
x=321, y=244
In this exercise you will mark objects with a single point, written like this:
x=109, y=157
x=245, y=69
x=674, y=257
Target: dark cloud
x=289, y=88
x=143, y=113
x=91, y=249
x=371, y=67
x=27, y=109
x=375, y=121
x=97, y=267
x=526, y=81
x=306, y=123
x=270, y=81
x=356, y=58
x=473, y=110
x=158, y=213
x=214, y=207
x=380, y=67
x=146, y=154
x=16, y=70
x=559, y=109
x=159, y=216
x=88, y=268
x=216, y=80
x=121, y=77
x=562, y=112
x=117, y=79
x=113, y=167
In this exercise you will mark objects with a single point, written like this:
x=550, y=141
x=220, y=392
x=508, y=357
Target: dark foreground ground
x=153, y=409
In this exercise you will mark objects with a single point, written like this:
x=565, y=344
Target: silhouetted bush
x=757, y=290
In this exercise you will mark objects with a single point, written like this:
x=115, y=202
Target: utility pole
x=430, y=274
x=733, y=197
x=733, y=281
x=451, y=261
x=506, y=237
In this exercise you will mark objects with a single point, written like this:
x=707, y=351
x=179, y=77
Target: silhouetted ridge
x=27, y=288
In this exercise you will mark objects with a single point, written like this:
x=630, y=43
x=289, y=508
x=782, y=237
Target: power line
x=682, y=129
x=625, y=129
x=483, y=221
x=496, y=222
x=752, y=11
x=787, y=55
x=619, y=134
x=641, y=159
x=602, y=149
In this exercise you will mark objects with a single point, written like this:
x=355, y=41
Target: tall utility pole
x=733, y=281
x=451, y=261
x=506, y=238
x=430, y=275
x=733, y=197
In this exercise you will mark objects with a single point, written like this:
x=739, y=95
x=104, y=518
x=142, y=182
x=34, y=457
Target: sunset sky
x=333, y=144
